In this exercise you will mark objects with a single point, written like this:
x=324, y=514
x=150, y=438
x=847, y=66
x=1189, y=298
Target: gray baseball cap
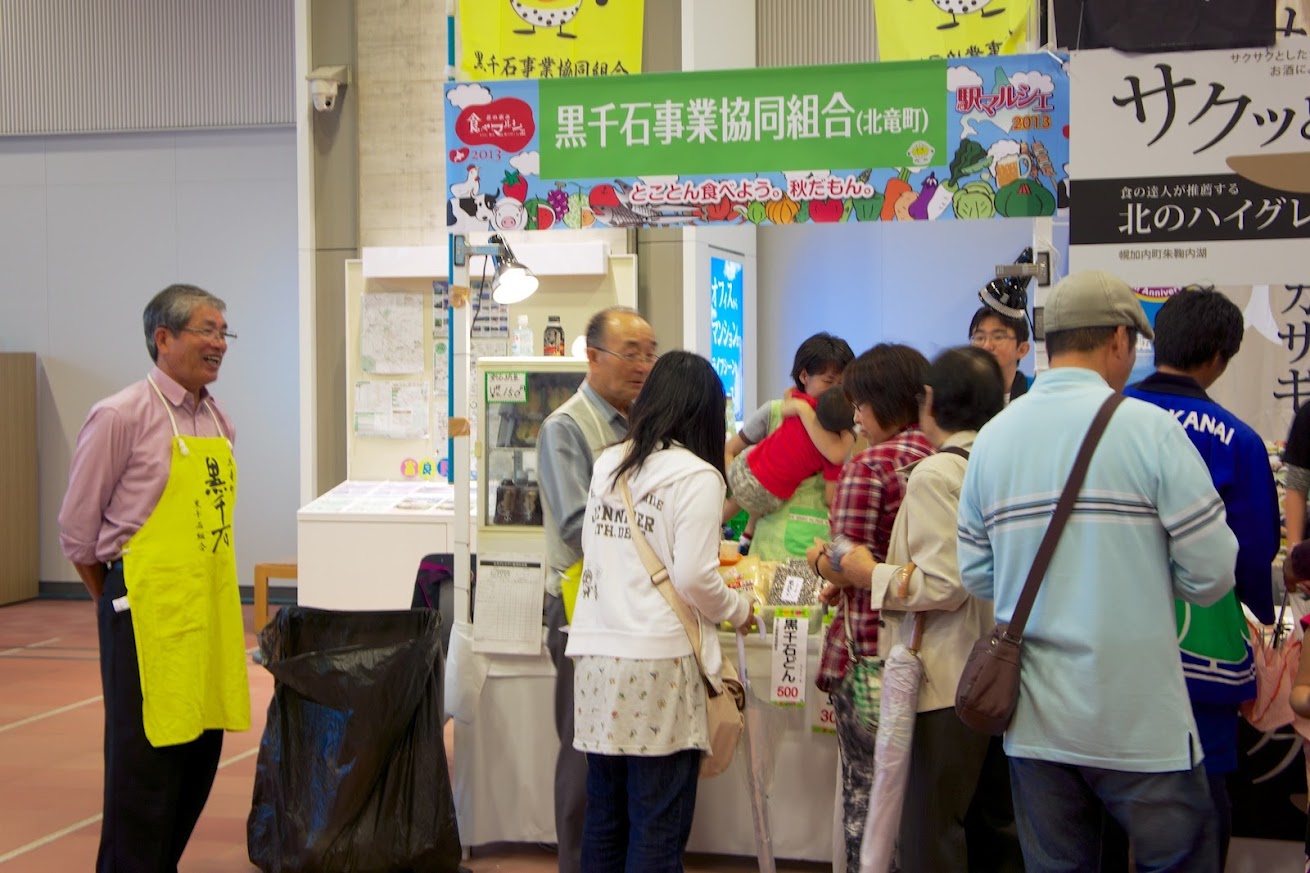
x=1093, y=299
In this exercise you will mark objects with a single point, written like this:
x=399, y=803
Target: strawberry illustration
x=514, y=185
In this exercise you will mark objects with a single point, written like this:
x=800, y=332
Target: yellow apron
x=181, y=580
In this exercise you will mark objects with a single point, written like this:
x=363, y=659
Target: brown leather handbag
x=989, y=686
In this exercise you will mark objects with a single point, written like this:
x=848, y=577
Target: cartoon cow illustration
x=464, y=214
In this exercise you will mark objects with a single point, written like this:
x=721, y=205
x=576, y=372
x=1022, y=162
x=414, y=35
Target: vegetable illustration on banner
x=543, y=39
x=915, y=29
x=915, y=141
x=1010, y=117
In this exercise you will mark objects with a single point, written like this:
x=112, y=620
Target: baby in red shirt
x=815, y=436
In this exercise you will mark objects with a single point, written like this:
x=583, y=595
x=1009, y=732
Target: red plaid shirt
x=868, y=495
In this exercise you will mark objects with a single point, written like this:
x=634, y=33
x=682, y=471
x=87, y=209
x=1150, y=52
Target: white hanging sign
x=1191, y=166
x=791, y=628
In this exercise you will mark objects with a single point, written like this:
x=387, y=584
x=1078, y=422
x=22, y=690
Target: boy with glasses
x=1007, y=339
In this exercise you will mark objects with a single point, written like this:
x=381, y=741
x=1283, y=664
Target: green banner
x=875, y=116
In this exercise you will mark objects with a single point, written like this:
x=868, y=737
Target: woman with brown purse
x=639, y=695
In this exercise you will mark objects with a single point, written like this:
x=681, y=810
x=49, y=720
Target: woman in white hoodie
x=638, y=695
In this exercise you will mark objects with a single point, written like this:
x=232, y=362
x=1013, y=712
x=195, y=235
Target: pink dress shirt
x=121, y=464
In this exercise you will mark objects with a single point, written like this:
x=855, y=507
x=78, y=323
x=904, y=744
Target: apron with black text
x=180, y=573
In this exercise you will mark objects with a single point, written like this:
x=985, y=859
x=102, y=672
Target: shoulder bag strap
x=659, y=576
x=1062, y=511
x=916, y=632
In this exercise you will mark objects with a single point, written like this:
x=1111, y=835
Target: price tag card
x=791, y=628
x=823, y=718
x=791, y=589
x=507, y=388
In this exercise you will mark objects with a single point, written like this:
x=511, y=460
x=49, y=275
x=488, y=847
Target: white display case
x=515, y=396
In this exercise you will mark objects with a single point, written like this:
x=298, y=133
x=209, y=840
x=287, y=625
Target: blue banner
x=726, y=328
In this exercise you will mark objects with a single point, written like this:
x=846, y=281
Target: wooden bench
x=264, y=572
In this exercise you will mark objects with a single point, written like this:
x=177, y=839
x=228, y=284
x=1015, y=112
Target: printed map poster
x=1193, y=166
x=909, y=31
x=544, y=39
x=971, y=138
x=391, y=333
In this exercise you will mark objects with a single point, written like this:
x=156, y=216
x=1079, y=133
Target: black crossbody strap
x=1062, y=511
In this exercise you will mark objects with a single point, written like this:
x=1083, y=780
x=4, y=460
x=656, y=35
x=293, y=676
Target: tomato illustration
x=826, y=210
x=514, y=185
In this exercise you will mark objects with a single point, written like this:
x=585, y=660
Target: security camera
x=324, y=94
x=325, y=84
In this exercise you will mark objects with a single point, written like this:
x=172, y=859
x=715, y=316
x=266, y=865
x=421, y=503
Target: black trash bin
x=352, y=767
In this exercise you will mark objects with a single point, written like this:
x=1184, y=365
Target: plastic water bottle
x=521, y=346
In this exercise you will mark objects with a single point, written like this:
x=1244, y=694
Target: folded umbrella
x=757, y=763
x=1277, y=656
x=902, y=674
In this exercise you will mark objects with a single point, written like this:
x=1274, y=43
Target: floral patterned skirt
x=629, y=707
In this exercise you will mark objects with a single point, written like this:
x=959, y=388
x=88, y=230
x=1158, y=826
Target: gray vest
x=598, y=434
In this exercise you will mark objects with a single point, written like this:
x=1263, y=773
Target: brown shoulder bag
x=989, y=687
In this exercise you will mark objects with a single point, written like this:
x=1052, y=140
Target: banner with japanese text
x=1192, y=166
x=910, y=141
x=1071, y=32
x=1163, y=25
x=950, y=28
x=529, y=39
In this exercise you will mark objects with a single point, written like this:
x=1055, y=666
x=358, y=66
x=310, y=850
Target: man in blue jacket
x=1197, y=332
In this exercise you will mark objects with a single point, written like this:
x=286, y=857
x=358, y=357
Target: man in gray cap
x=1103, y=724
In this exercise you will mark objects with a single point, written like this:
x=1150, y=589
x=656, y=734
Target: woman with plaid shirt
x=883, y=384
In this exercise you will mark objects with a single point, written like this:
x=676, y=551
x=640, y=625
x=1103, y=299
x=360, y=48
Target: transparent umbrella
x=902, y=673
x=758, y=763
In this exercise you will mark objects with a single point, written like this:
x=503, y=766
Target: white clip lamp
x=513, y=282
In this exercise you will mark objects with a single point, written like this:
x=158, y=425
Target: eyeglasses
x=211, y=333
x=632, y=357
x=996, y=337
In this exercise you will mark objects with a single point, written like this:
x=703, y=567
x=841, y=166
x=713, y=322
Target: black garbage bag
x=352, y=771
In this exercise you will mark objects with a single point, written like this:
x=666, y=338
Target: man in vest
x=1197, y=332
x=621, y=350
x=147, y=522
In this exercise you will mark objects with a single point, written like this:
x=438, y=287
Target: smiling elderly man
x=147, y=522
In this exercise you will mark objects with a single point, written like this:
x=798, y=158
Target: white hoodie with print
x=678, y=499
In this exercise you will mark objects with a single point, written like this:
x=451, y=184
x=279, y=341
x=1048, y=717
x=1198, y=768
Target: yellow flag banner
x=911, y=30
x=549, y=39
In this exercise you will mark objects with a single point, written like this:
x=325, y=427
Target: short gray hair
x=600, y=321
x=172, y=308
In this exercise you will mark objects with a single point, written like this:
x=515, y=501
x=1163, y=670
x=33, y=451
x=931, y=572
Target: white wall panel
x=90, y=228
x=72, y=66
x=913, y=282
